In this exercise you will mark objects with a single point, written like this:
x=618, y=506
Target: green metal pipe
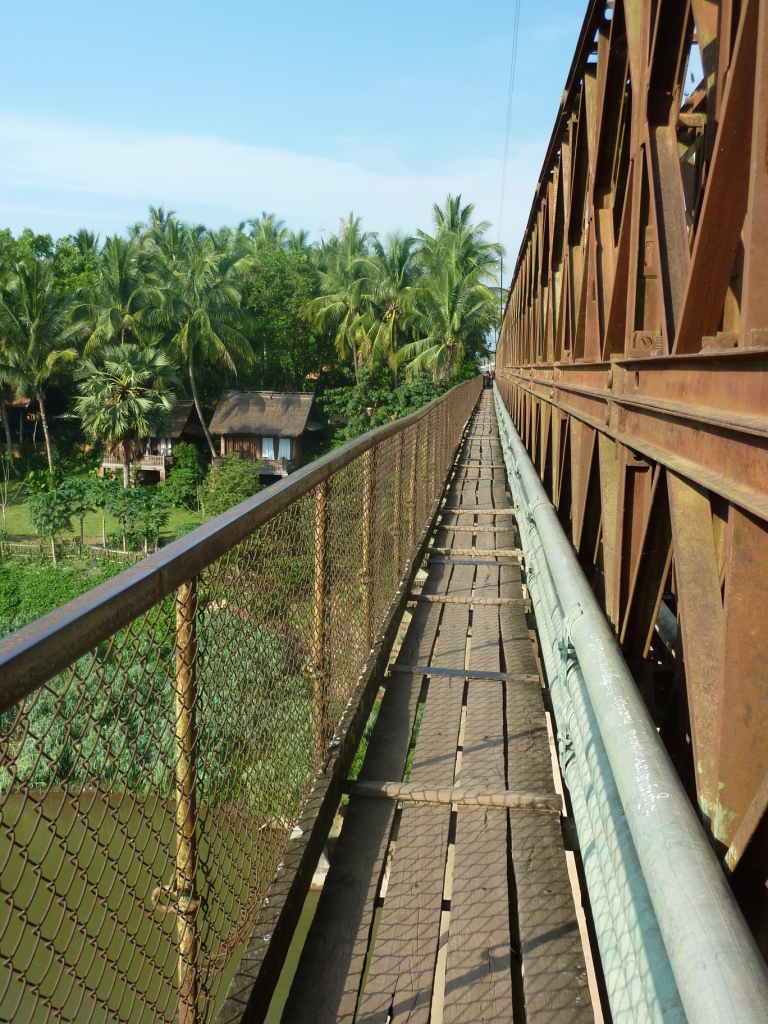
x=616, y=968
x=718, y=968
x=647, y=985
x=635, y=916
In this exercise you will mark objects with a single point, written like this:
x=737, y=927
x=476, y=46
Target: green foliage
x=278, y=284
x=149, y=514
x=125, y=396
x=35, y=334
x=77, y=495
x=187, y=456
x=181, y=488
x=233, y=482
x=182, y=485
x=114, y=722
x=49, y=513
x=142, y=513
x=374, y=399
x=29, y=590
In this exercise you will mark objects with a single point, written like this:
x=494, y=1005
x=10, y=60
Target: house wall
x=250, y=446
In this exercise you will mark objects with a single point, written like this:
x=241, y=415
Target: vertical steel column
x=397, y=524
x=368, y=468
x=427, y=471
x=187, y=901
x=318, y=617
x=412, y=489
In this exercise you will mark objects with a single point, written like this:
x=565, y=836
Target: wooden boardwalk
x=453, y=912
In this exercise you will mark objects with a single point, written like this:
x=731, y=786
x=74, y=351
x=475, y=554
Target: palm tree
x=393, y=272
x=452, y=309
x=124, y=397
x=34, y=330
x=122, y=295
x=342, y=308
x=267, y=232
x=201, y=304
x=298, y=241
x=458, y=240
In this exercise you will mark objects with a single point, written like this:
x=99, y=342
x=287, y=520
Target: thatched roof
x=267, y=413
x=178, y=417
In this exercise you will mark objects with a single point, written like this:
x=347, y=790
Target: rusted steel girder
x=633, y=357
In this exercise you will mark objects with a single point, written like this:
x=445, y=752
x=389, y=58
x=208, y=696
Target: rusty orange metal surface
x=633, y=356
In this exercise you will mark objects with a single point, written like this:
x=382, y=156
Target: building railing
x=144, y=461
x=161, y=733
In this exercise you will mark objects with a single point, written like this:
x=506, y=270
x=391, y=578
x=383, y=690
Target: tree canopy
x=116, y=333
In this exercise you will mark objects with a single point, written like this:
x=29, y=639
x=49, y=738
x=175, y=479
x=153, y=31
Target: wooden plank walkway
x=461, y=914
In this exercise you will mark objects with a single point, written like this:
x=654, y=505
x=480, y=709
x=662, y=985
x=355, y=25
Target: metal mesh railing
x=159, y=735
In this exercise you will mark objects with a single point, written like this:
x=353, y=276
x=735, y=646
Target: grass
x=20, y=529
x=29, y=590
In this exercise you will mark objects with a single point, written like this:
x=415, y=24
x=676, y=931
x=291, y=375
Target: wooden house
x=155, y=454
x=280, y=431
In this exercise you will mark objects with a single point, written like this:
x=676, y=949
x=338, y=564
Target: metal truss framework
x=634, y=359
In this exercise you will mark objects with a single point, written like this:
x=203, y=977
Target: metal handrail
x=37, y=652
x=606, y=730
x=165, y=732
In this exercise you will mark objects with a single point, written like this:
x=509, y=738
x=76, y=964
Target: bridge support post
x=367, y=545
x=185, y=729
x=397, y=517
x=412, y=491
x=318, y=617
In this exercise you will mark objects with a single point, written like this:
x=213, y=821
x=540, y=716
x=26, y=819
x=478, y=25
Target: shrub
x=232, y=483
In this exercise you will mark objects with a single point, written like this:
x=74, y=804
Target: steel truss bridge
x=541, y=607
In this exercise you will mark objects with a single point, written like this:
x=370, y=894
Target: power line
x=512, y=66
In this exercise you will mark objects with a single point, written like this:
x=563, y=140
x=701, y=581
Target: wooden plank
x=479, y=511
x=478, y=982
x=418, y=793
x=468, y=599
x=498, y=552
x=471, y=529
x=400, y=977
x=328, y=977
x=401, y=972
x=464, y=673
x=464, y=561
x=554, y=970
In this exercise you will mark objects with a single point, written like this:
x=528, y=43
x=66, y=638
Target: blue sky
x=222, y=110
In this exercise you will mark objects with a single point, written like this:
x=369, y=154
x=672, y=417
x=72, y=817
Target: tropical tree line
x=115, y=333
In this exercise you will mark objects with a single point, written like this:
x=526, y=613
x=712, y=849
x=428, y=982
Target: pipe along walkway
x=448, y=897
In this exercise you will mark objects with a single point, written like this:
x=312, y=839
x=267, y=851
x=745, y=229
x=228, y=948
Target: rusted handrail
x=37, y=652
x=177, y=735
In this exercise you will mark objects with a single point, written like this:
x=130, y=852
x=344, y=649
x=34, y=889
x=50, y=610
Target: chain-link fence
x=160, y=734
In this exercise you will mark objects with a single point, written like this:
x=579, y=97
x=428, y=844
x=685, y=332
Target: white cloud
x=98, y=167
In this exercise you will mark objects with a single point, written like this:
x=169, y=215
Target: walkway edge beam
x=718, y=968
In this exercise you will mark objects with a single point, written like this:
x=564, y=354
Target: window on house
x=284, y=448
x=267, y=447
x=166, y=446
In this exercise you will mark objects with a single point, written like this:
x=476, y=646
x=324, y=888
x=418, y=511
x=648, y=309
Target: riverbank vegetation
x=98, y=341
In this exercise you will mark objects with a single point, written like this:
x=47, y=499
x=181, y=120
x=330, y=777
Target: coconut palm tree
x=458, y=240
x=266, y=232
x=125, y=397
x=114, y=312
x=35, y=336
x=392, y=273
x=201, y=304
x=453, y=309
x=343, y=309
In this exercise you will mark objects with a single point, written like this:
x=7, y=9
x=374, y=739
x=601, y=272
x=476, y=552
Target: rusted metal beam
x=633, y=358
